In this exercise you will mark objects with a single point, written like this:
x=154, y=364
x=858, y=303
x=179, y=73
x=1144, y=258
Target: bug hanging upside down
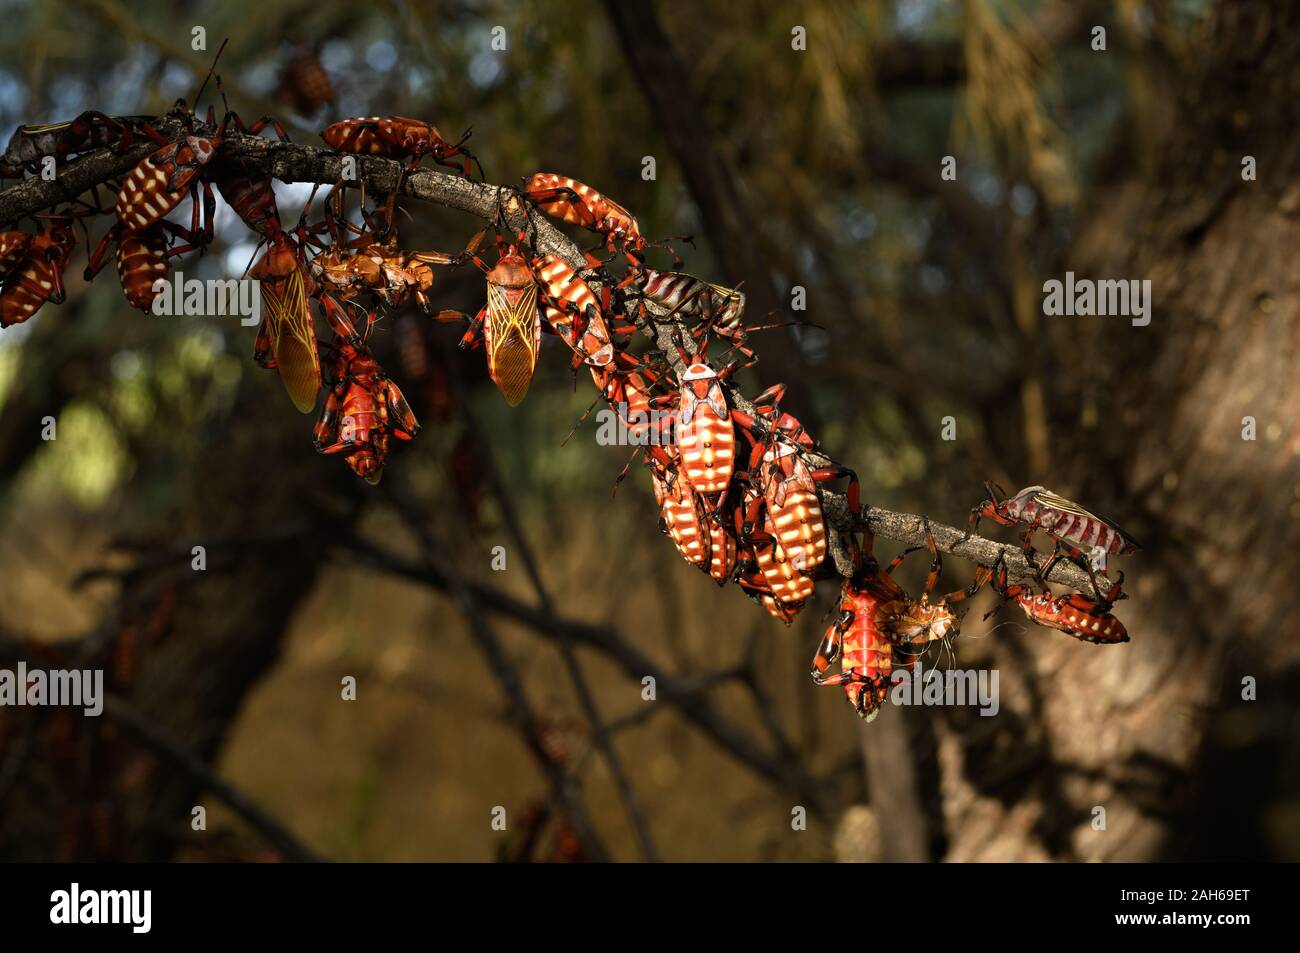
x=1088, y=620
x=879, y=626
x=363, y=406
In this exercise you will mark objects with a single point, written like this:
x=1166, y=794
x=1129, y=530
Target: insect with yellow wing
x=510, y=325
x=286, y=340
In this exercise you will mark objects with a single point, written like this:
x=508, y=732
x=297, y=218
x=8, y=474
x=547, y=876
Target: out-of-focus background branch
x=817, y=168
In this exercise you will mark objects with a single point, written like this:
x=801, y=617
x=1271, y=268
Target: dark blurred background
x=814, y=169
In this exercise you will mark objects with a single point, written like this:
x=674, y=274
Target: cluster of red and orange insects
x=734, y=487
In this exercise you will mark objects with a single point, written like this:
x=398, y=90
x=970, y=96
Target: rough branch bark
x=290, y=162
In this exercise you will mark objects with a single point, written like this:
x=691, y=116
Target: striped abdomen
x=799, y=529
x=690, y=297
x=380, y=135
x=705, y=434
x=756, y=587
x=1068, y=521
x=785, y=577
x=707, y=447
x=145, y=197
x=677, y=292
x=141, y=261
x=35, y=280
x=569, y=200
x=722, y=552
x=794, y=509
x=865, y=652
x=563, y=285
x=1074, y=615
x=681, y=518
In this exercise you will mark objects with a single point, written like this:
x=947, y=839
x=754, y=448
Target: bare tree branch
x=290, y=162
x=684, y=693
x=599, y=731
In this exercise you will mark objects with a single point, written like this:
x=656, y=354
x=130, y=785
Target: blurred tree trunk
x=1161, y=408
x=120, y=801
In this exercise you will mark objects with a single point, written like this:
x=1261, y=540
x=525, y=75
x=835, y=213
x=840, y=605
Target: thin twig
x=683, y=693
x=599, y=733
x=520, y=710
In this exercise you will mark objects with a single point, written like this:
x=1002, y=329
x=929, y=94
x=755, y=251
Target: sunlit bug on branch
x=397, y=137
x=1064, y=520
x=878, y=626
x=1088, y=620
x=569, y=200
x=693, y=297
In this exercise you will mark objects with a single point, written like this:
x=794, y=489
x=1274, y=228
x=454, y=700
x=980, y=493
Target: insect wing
x=293, y=339
x=513, y=337
x=1050, y=499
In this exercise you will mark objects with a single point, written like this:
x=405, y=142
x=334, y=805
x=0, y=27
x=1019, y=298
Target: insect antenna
x=622, y=475
x=253, y=258
x=579, y=421
x=211, y=69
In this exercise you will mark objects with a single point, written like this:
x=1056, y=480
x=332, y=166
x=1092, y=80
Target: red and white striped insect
x=693, y=297
x=159, y=184
x=33, y=270
x=794, y=509
x=399, y=138
x=142, y=262
x=1054, y=515
x=286, y=341
x=706, y=437
x=572, y=310
x=702, y=541
x=786, y=574
x=865, y=658
x=141, y=259
x=680, y=517
x=787, y=485
x=155, y=187
x=1088, y=620
x=879, y=626
x=569, y=200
